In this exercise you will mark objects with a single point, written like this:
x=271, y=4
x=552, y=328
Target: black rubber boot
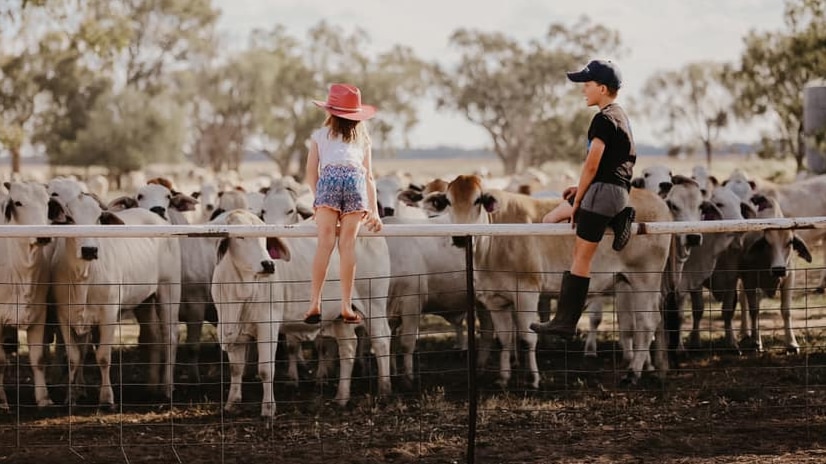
x=572, y=297
x=621, y=225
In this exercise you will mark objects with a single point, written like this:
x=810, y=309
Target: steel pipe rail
x=393, y=230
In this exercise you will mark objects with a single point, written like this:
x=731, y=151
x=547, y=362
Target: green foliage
x=127, y=131
x=519, y=93
x=696, y=101
x=776, y=66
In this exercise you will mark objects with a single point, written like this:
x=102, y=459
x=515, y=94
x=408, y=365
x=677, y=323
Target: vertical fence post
x=471, y=353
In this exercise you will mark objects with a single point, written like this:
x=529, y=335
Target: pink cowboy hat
x=344, y=101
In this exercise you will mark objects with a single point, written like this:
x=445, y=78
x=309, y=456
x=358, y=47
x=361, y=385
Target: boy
x=601, y=197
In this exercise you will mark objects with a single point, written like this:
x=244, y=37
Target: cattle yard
x=716, y=407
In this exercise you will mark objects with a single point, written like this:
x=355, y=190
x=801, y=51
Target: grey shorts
x=599, y=205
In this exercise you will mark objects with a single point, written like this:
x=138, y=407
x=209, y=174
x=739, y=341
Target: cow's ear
x=304, y=211
x=665, y=187
x=713, y=181
x=57, y=214
x=710, y=212
x=223, y=246
x=761, y=201
x=638, y=182
x=410, y=197
x=122, y=203
x=195, y=194
x=747, y=210
x=216, y=213
x=182, y=202
x=417, y=187
x=489, y=202
x=110, y=219
x=278, y=249
x=436, y=202
x=9, y=209
x=7, y=185
x=802, y=250
x=753, y=185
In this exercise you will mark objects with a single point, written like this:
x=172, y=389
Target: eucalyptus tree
x=518, y=92
x=691, y=104
x=775, y=67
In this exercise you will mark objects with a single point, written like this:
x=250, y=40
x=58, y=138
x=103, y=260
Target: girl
x=340, y=175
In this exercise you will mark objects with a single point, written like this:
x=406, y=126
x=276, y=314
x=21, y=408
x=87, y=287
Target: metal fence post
x=473, y=397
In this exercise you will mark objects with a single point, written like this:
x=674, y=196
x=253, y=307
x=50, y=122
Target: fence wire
x=716, y=401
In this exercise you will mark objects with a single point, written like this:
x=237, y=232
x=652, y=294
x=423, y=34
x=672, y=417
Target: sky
x=658, y=35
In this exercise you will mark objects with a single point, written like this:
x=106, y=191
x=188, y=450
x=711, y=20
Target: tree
x=127, y=131
x=776, y=66
x=519, y=93
x=696, y=100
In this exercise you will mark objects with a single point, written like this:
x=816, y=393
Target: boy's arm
x=589, y=169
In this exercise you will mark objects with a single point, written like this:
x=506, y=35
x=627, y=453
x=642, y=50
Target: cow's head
x=739, y=183
x=251, y=255
x=654, y=178
x=159, y=199
x=85, y=209
x=281, y=206
x=775, y=247
x=208, y=197
x=27, y=204
x=685, y=201
x=387, y=190
x=468, y=202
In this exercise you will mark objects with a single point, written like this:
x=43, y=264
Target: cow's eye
x=291, y=211
x=17, y=203
x=140, y=196
x=54, y=194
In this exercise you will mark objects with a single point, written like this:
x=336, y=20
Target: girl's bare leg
x=350, y=224
x=326, y=220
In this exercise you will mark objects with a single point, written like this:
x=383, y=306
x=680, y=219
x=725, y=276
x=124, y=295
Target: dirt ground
x=718, y=407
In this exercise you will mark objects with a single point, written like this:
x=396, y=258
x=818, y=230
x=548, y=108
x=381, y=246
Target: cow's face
x=387, y=190
x=280, y=207
x=251, y=255
x=208, y=197
x=155, y=198
x=27, y=204
x=740, y=185
x=685, y=201
x=778, y=245
x=85, y=209
x=656, y=179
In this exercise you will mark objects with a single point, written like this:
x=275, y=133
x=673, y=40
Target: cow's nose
x=459, y=241
x=694, y=240
x=159, y=210
x=43, y=240
x=89, y=253
x=389, y=211
x=779, y=271
x=210, y=207
x=268, y=266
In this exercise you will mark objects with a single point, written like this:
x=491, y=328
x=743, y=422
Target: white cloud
x=662, y=34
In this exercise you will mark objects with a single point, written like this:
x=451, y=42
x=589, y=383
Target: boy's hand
x=569, y=191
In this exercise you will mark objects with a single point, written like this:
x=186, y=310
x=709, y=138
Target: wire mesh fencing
x=717, y=395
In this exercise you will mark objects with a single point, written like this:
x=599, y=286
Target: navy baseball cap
x=599, y=71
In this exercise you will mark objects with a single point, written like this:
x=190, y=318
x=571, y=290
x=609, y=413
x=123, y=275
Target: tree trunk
x=15, y=159
x=707, y=145
x=512, y=163
x=800, y=152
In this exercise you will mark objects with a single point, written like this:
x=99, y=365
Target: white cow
x=96, y=278
x=197, y=261
x=23, y=277
x=388, y=188
x=249, y=304
x=511, y=272
x=292, y=291
x=282, y=206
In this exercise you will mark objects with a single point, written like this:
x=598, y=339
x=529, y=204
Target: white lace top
x=336, y=151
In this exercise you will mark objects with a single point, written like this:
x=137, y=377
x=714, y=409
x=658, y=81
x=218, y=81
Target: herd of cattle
x=258, y=287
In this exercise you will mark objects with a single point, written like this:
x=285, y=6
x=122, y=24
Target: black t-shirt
x=611, y=126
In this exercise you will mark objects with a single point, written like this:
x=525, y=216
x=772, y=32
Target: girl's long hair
x=349, y=131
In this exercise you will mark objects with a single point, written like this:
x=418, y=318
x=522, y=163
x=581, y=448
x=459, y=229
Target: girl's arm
x=311, y=173
x=373, y=220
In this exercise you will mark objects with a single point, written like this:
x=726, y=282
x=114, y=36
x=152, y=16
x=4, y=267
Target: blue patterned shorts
x=342, y=187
